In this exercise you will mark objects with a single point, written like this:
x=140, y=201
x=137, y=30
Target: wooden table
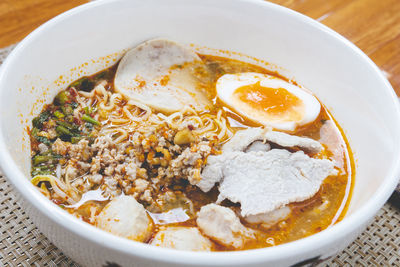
x=373, y=25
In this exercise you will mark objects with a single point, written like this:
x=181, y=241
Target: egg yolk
x=272, y=104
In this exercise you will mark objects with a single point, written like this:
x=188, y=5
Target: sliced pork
x=263, y=180
x=269, y=219
x=245, y=138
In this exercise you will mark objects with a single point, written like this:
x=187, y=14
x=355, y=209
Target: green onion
x=58, y=114
x=90, y=119
x=43, y=140
x=74, y=105
x=87, y=110
x=38, y=121
x=69, y=119
x=91, y=140
x=39, y=172
x=89, y=126
x=56, y=156
x=67, y=110
x=61, y=98
x=63, y=131
x=83, y=84
x=48, y=152
x=67, y=125
x=44, y=167
x=34, y=131
x=76, y=139
x=40, y=159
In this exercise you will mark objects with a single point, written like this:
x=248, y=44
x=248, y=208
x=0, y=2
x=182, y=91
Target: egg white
x=228, y=83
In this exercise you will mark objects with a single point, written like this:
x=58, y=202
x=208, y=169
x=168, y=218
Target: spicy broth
x=308, y=217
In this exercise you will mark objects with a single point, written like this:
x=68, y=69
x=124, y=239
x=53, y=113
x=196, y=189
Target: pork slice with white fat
x=211, y=174
x=245, y=138
x=269, y=219
x=258, y=146
x=264, y=181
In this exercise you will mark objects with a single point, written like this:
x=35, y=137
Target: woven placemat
x=22, y=244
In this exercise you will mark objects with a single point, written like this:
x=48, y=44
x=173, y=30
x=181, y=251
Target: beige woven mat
x=21, y=243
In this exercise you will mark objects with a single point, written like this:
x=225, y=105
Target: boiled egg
x=268, y=100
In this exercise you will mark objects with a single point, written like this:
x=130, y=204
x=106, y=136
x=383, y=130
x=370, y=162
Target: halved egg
x=268, y=100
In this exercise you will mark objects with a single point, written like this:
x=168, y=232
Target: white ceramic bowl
x=346, y=80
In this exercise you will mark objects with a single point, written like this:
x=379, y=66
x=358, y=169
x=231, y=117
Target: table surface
x=373, y=25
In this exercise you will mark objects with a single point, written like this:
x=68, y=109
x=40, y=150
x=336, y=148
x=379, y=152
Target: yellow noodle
x=134, y=116
x=123, y=135
x=58, y=186
x=130, y=115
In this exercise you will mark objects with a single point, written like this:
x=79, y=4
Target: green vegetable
x=83, y=84
x=67, y=125
x=62, y=98
x=58, y=114
x=76, y=139
x=91, y=140
x=56, y=156
x=35, y=172
x=89, y=126
x=107, y=74
x=43, y=140
x=61, y=130
x=36, y=122
x=46, y=169
x=67, y=110
x=39, y=120
x=40, y=159
x=89, y=110
x=93, y=135
x=34, y=131
x=74, y=105
x=90, y=119
x=69, y=119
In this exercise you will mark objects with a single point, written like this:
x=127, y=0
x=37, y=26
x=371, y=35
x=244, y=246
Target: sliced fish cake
x=161, y=74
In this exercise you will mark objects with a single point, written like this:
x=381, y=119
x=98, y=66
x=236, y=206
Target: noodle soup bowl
x=91, y=37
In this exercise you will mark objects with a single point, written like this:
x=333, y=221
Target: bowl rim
x=114, y=243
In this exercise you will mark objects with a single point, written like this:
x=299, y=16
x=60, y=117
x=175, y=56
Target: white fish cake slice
x=160, y=74
x=223, y=226
x=125, y=217
x=181, y=238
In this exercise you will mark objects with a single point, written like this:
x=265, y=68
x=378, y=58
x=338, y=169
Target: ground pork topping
x=143, y=167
